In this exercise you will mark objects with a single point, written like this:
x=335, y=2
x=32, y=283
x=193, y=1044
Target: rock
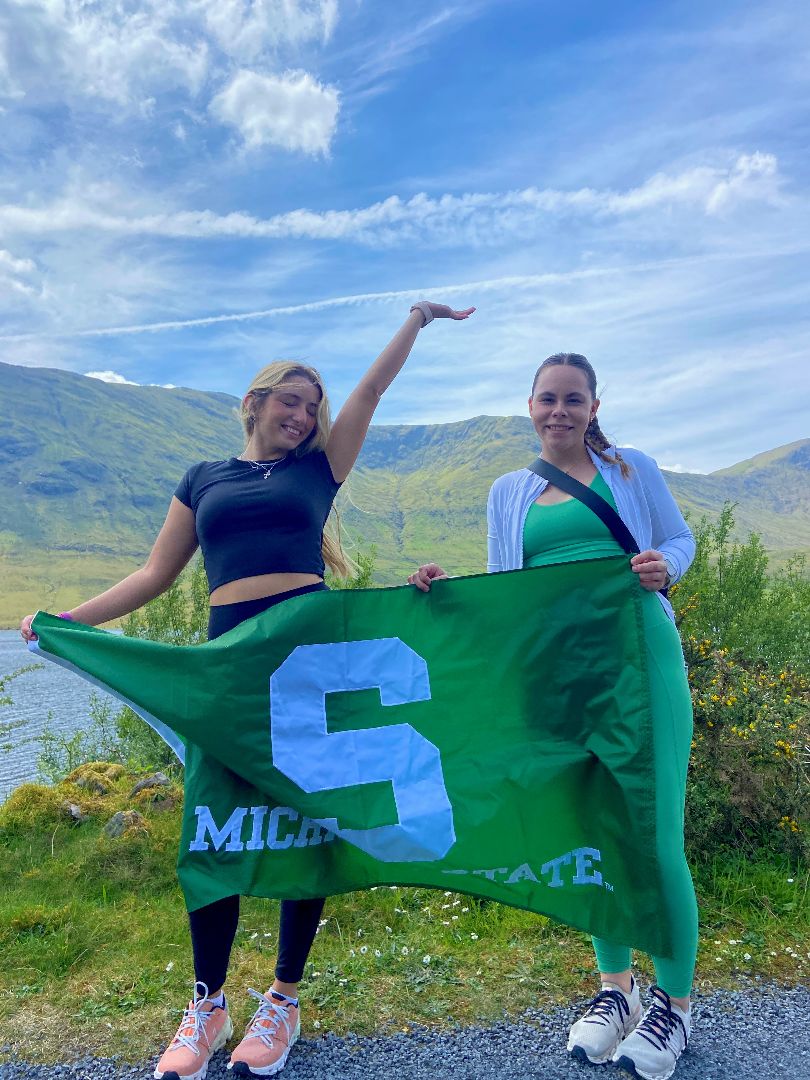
x=158, y=779
x=74, y=812
x=122, y=822
x=96, y=776
x=93, y=784
x=159, y=801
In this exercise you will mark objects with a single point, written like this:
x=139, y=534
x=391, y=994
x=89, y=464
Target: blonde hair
x=266, y=381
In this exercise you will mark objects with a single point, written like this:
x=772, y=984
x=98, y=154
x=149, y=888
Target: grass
x=94, y=953
x=55, y=581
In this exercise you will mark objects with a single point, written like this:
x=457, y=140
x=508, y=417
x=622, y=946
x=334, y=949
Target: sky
x=192, y=188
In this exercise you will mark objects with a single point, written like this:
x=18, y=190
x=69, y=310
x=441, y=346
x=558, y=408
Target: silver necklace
x=268, y=466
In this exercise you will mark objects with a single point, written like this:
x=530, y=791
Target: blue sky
x=191, y=189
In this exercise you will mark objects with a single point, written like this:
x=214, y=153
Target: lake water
x=50, y=697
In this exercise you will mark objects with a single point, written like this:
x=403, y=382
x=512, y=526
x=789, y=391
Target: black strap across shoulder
x=601, y=507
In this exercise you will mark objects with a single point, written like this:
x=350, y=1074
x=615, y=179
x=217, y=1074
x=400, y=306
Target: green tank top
x=568, y=531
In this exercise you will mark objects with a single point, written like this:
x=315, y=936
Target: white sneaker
x=610, y=1017
x=652, y=1050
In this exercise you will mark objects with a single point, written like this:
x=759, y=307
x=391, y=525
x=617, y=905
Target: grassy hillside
x=87, y=470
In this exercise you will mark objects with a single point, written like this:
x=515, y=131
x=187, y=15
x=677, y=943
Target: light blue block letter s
x=316, y=760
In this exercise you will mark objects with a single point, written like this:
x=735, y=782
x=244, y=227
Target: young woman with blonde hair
x=259, y=519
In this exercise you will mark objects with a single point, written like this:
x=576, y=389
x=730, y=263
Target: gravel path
x=738, y=1035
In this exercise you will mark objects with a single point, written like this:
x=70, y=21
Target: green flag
x=492, y=737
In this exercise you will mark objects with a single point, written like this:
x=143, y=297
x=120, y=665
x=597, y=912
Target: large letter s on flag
x=316, y=760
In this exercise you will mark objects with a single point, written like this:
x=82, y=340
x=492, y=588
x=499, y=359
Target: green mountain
x=87, y=469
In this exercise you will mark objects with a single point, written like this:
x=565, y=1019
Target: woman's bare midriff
x=254, y=588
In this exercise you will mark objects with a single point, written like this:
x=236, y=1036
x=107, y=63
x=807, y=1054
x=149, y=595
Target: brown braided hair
x=595, y=438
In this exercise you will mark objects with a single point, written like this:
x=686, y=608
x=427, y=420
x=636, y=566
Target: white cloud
x=753, y=176
x=112, y=52
x=129, y=53
x=110, y=377
x=245, y=29
x=293, y=110
x=280, y=115
x=12, y=271
x=466, y=290
x=16, y=266
x=119, y=380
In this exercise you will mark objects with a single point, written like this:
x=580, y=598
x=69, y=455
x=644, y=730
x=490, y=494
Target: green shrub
x=746, y=639
x=750, y=765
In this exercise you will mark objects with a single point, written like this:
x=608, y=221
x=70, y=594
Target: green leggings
x=672, y=737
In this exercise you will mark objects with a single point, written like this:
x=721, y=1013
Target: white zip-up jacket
x=643, y=501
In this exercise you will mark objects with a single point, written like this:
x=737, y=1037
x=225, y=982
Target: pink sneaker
x=269, y=1036
x=205, y=1028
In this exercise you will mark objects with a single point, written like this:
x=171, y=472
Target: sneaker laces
x=266, y=1020
x=192, y=1026
x=661, y=1022
x=603, y=1006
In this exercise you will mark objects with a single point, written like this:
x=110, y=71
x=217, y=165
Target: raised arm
x=350, y=428
x=174, y=546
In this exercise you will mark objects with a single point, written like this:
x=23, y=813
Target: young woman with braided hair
x=533, y=523
x=259, y=519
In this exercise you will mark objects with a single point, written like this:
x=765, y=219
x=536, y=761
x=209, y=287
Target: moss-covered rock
x=31, y=806
x=98, y=777
x=124, y=821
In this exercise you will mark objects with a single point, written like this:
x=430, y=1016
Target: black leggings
x=213, y=927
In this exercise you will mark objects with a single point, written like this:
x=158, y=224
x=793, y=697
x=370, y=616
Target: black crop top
x=248, y=525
